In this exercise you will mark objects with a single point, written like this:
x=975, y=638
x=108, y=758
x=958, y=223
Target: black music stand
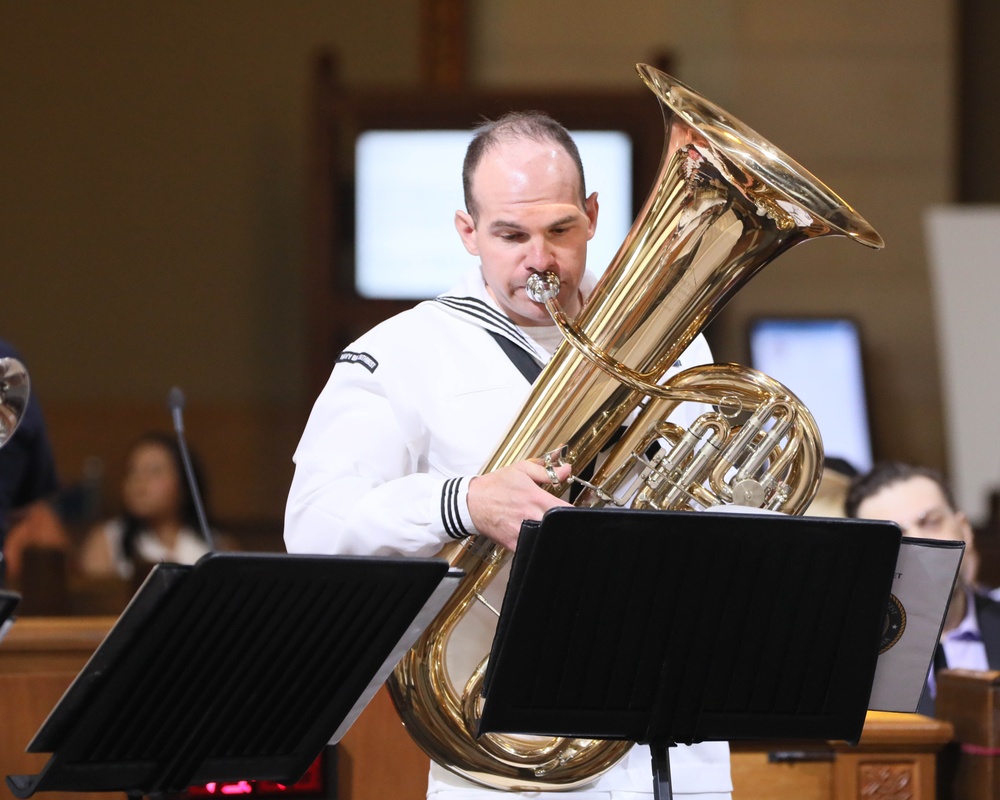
x=242, y=667
x=667, y=628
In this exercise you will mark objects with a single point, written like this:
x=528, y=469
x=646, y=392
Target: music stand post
x=666, y=628
x=242, y=667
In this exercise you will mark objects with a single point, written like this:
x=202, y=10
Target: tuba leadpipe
x=725, y=202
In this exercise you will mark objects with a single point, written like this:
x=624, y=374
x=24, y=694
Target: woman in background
x=158, y=521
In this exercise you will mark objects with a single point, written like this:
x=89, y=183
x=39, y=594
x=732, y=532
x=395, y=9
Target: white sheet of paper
x=926, y=571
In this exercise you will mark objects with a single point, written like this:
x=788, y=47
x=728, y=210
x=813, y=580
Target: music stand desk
x=243, y=666
x=667, y=628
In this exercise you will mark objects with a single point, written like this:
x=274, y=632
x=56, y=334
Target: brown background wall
x=152, y=200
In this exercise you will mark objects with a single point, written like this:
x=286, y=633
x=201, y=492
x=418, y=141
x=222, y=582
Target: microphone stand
x=175, y=399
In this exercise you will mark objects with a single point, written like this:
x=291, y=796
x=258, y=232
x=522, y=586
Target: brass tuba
x=724, y=204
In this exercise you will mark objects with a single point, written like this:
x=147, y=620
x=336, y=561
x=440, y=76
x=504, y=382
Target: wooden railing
x=376, y=759
x=971, y=702
x=38, y=660
x=895, y=760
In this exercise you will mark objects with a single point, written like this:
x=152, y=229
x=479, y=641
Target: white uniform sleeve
x=359, y=486
x=697, y=354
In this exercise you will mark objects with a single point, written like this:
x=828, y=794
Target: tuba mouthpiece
x=542, y=286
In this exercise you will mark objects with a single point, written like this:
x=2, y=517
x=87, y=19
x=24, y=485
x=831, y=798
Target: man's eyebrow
x=564, y=221
x=500, y=223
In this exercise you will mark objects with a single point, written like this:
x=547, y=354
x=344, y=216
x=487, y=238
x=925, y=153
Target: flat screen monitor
x=408, y=186
x=819, y=360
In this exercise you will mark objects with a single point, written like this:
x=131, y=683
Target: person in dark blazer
x=920, y=502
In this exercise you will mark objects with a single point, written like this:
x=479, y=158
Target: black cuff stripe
x=450, y=515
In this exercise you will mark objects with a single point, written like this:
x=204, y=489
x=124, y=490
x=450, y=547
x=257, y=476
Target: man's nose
x=540, y=256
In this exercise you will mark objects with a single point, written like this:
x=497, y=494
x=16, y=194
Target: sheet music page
x=926, y=571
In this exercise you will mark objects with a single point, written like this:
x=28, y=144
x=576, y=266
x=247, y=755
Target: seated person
x=158, y=521
x=919, y=501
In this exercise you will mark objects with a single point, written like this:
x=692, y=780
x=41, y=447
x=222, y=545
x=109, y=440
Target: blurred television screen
x=820, y=361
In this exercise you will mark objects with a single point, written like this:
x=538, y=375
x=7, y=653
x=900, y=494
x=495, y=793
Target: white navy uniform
x=412, y=411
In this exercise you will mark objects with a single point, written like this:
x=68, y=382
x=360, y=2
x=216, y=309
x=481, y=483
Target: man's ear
x=466, y=227
x=590, y=206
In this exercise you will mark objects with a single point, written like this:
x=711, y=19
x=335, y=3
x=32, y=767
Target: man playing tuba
x=389, y=460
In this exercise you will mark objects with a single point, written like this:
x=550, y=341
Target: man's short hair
x=535, y=126
x=887, y=474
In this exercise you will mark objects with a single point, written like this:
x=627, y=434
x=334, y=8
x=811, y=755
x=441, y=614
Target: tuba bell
x=14, y=392
x=724, y=204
